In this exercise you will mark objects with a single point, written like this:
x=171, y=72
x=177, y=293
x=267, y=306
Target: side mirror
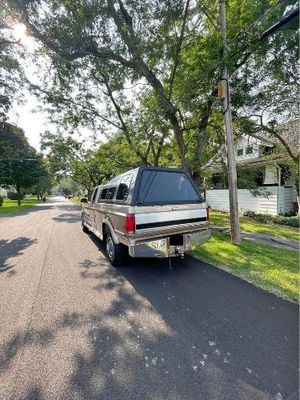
x=84, y=200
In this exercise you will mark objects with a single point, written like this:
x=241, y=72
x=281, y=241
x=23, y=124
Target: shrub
x=249, y=213
x=276, y=219
x=13, y=196
x=1, y=200
x=264, y=218
x=289, y=221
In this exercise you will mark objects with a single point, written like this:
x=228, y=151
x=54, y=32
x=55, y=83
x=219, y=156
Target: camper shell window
x=107, y=193
x=124, y=186
x=166, y=187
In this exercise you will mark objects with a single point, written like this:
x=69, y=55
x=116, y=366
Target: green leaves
x=20, y=165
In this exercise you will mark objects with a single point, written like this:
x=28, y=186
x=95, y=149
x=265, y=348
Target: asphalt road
x=73, y=327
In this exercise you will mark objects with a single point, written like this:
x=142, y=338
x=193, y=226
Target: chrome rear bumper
x=161, y=248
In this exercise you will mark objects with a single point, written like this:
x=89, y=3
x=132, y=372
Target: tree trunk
x=202, y=132
x=297, y=190
x=19, y=195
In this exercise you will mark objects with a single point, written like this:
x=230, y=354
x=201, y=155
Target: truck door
x=93, y=208
x=89, y=209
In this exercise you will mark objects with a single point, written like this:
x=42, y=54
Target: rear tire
x=116, y=252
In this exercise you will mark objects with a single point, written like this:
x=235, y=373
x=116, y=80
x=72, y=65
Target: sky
x=28, y=115
x=25, y=115
x=32, y=122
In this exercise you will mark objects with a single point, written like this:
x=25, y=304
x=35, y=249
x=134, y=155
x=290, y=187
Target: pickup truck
x=147, y=212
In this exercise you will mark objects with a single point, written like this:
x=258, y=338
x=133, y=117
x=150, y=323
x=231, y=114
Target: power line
x=258, y=20
x=272, y=29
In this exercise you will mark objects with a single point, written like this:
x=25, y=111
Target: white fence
x=218, y=199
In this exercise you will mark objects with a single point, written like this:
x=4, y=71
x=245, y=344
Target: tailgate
x=170, y=219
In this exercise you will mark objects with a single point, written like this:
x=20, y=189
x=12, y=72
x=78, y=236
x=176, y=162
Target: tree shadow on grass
x=12, y=248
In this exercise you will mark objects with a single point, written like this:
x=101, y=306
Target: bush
x=264, y=218
x=1, y=200
x=13, y=196
x=276, y=219
x=249, y=213
x=289, y=221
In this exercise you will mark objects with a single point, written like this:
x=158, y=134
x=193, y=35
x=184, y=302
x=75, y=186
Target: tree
x=170, y=47
x=140, y=53
x=20, y=165
x=42, y=187
x=68, y=157
x=68, y=187
x=11, y=74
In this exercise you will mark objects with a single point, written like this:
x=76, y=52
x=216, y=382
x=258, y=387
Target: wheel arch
x=106, y=225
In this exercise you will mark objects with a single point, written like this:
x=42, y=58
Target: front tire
x=116, y=252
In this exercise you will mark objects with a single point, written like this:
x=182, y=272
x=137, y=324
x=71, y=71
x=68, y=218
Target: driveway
x=73, y=327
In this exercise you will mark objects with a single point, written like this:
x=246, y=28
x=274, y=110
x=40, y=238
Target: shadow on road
x=11, y=249
x=70, y=218
x=191, y=333
x=240, y=337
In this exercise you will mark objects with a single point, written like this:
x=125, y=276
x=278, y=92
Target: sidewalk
x=276, y=241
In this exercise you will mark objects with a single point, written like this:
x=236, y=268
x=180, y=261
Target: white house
x=3, y=192
x=272, y=174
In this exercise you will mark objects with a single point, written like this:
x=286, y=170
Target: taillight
x=130, y=223
x=207, y=214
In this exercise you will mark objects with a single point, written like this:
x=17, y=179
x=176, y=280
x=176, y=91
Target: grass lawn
x=265, y=266
x=76, y=199
x=250, y=225
x=11, y=206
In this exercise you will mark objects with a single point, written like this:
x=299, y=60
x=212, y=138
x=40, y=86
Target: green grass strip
x=11, y=206
x=250, y=225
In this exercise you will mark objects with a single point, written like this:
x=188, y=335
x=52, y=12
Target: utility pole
x=231, y=165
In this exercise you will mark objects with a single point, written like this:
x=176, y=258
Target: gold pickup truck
x=147, y=212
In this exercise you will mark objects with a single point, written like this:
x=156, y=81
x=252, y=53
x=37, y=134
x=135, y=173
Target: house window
x=265, y=150
x=240, y=152
x=219, y=181
x=249, y=150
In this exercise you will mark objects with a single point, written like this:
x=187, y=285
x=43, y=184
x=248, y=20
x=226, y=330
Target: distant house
x=3, y=192
x=267, y=163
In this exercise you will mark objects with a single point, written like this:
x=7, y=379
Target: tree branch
x=178, y=48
